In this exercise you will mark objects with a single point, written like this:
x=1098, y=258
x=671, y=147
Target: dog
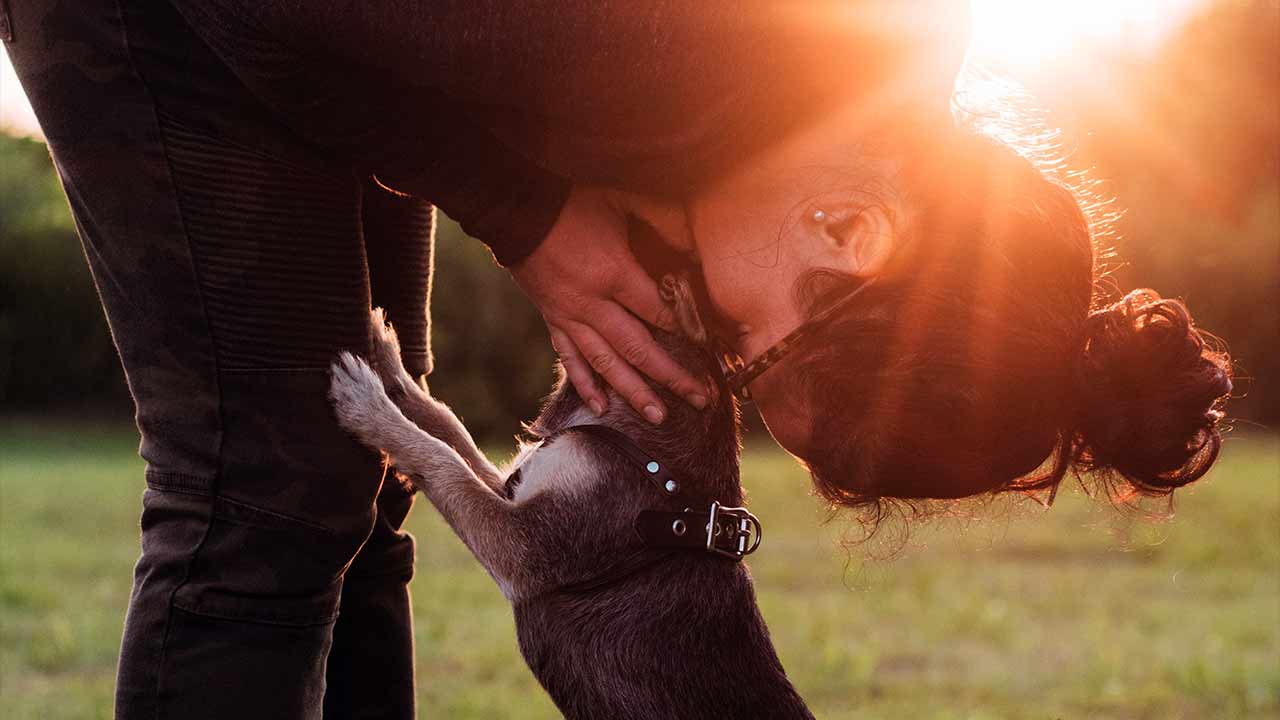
x=618, y=543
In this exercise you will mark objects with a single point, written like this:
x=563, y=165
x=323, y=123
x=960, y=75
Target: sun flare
x=1037, y=32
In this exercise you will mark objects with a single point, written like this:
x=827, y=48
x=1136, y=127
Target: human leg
x=231, y=271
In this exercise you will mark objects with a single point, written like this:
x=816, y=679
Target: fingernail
x=597, y=407
x=653, y=414
x=698, y=401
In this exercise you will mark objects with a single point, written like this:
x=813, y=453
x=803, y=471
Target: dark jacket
x=491, y=110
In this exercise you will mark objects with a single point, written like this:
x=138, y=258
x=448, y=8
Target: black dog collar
x=729, y=531
x=732, y=532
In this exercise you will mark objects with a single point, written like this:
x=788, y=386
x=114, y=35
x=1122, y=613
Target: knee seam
x=256, y=619
x=179, y=482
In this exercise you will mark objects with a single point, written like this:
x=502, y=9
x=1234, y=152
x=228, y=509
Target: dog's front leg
x=482, y=518
x=417, y=404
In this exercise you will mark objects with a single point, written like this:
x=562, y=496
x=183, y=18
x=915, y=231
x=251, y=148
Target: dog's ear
x=677, y=292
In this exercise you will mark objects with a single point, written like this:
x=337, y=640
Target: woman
x=216, y=154
x=969, y=346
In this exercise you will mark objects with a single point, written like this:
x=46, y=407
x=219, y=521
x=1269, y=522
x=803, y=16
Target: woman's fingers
x=618, y=347
x=617, y=372
x=630, y=341
x=587, y=284
x=636, y=345
x=577, y=370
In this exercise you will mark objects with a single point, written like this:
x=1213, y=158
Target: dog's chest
x=562, y=466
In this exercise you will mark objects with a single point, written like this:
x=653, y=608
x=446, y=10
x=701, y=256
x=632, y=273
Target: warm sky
x=15, y=113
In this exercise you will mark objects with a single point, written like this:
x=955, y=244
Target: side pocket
x=216, y=668
x=294, y=505
x=260, y=566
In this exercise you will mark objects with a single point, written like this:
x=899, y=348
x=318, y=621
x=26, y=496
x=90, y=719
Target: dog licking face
x=610, y=625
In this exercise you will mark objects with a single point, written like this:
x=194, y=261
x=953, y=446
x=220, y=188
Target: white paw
x=359, y=400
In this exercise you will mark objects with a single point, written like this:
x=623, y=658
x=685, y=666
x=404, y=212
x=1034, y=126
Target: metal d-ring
x=747, y=525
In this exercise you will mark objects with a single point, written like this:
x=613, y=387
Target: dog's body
x=611, y=627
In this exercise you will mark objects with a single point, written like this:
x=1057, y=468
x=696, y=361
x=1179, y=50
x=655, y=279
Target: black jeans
x=234, y=261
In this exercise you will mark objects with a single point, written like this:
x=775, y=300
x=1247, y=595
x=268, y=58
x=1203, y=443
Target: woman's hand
x=593, y=295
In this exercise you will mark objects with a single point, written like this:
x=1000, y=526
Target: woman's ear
x=864, y=240
x=874, y=241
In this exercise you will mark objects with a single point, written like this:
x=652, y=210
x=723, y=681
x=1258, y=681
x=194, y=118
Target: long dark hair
x=987, y=358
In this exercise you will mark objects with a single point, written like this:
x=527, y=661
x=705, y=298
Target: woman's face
x=804, y=205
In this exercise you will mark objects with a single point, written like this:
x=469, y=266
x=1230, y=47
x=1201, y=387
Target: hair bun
x=1152, y=391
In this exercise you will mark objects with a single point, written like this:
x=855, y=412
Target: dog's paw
x=384, y=355
x=359, y=400
x=384, y=344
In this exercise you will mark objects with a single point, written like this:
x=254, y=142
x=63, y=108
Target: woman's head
x=980, y=352
x=814, y=203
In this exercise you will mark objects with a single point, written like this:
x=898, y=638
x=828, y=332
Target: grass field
x=1081, y=612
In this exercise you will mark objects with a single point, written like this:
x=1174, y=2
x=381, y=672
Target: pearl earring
x=819, y=216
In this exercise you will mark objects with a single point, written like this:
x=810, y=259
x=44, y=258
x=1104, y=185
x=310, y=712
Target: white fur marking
x=559, y=466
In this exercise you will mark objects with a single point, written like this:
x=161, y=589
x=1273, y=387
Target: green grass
x=1080, y=612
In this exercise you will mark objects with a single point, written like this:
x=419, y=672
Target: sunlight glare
x=1035, y=32
x=16, y=116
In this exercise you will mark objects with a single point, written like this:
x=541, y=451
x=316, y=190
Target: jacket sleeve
x=399, y=232
x=412, y=137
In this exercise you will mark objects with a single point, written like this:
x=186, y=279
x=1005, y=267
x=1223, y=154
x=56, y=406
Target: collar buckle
x=732, y=531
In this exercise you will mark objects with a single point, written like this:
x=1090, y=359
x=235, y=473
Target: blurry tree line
x=493, y=358
x=1187, y=140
